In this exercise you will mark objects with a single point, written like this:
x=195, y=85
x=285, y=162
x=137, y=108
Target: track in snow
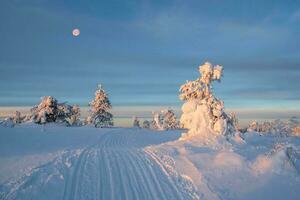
x=115, y=167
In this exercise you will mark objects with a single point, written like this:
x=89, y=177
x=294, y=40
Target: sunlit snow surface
x=56, y=162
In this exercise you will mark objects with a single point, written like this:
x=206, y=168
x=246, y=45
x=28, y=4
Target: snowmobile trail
x=115, y=167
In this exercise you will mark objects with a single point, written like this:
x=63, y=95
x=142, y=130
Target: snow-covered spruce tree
x=169, y=120
x=136, y=122
x=203, y=114
x=49, y=110
x=100, y=106
x=146, y=124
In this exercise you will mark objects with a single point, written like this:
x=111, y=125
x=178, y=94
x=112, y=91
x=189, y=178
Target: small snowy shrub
x=253, y=126
x=157, y=121
x=203, y=114
x=88, y=120
x=8, y=122
x=100, y=106
x=234, y=120
x=18, y=118
x=296, y=131
x=169, y=120
x=146, y=124
x=74, y=119
x=136, y=122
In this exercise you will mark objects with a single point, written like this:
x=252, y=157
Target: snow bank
x=248, y=168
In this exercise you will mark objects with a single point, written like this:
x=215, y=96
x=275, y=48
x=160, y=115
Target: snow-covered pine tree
x=146, y=124
x=136, y=122
x=203, y=114
x=49, y=110
x=100, y=106
x=64, y=113
x=45, y=111
x=169, y=120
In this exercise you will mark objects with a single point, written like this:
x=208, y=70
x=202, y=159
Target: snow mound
x=281, y=159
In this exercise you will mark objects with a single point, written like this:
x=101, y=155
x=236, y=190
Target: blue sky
x=142, y=51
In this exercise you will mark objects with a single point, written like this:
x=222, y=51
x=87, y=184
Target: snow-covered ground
x=57, y=162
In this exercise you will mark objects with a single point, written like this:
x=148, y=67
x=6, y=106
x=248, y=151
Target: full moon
x=76, y=32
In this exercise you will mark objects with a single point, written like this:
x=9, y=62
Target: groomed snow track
x=115, y=167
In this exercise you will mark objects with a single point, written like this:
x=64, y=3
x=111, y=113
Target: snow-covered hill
x=56, y=162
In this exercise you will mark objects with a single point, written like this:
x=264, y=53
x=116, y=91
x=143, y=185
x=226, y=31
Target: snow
x=86, y=163
x=239, y=169
x=52, y=161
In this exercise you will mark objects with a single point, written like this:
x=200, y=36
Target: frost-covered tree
x=18, y=118
x=74, y=119
x=146, y=124
x=203, y=114
x=136, y=122
x=88, y=120
x=296, y=131
x=281, y=128
x=100, y=106
x=169, y=120
x=234, y=120
x=277, y=127
x=157, y=121
x=265, y=127
x=49, y=110
x=45, y=111
x=253, y=126
x=295, y=126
